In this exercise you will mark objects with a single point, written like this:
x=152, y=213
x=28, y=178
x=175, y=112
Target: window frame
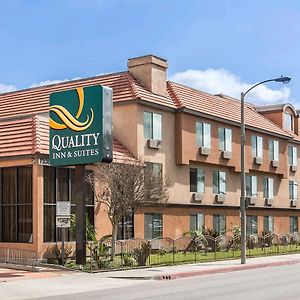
x=290, y=121
x=155, y=133
x=203, y=135
x=251, y=186
x=293, y=190
x=257, y=146
x=200, y=185
x=294, y=224
x=273, y=150
x=219, y=219
x=268, y=220
x=268, y=188
x=292, y=155
x=217, y=188
x=197, y=219
x=251, y=224
x=225, y=139
x=153, y=230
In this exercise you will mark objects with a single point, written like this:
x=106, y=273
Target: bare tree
x=124, y=187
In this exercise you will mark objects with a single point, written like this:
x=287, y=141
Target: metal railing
x=166, y=251
x=18, y=256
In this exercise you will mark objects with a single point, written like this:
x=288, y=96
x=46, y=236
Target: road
x=267, y=283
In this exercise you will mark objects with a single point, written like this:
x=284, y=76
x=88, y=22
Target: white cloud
x=7, y=88
x=220, y=81
x=48, y=82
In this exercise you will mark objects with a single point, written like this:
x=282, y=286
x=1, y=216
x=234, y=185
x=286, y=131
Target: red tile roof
x=221, y=106
x=30, y=135
x=36, y=100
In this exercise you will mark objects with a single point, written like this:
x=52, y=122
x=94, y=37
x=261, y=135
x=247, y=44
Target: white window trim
x=201, y=130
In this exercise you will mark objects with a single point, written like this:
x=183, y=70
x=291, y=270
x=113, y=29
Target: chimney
x=151, y=72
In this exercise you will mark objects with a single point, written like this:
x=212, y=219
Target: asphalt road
x=267, y=283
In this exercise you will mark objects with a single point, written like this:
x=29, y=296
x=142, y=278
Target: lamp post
x=243, y=139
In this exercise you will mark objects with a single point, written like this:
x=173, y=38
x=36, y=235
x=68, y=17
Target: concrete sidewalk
x=200, y=269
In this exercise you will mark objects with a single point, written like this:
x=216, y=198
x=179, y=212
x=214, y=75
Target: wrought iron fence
x=166, y=251
x=15, y=256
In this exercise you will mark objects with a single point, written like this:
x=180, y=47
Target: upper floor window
x=225, y=139
x=292, y=153
x=293, y=190
x=219, y=182
x=197, y=180
x=273, y=150
x=203, y=134
x=288, y=121
x=257, y=146
x=251, y=186
x=152, y=126
x=268, y=188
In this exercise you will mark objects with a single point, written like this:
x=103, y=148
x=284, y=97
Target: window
x=152, y=126
x=293, y=224
x=268, y=224
x=268, y=188
x=292, y=153
x=293, y=190
x=257, y=146
x=288, y=121
x=126, y=228
x=225, y=139
x=203, y=134
x=273, y=150
x=197, y=180
x=251, y=225
x=219, y=223
x=16, y=205
x=59, y=185
x=153, y=226
x=154, y=168
x=251, y=186
x=196, y=222
x=219, y=182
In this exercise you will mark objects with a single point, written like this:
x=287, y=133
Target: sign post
x=80, y=133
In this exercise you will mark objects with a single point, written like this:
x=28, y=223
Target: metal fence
x=165, y=251
x=20, y=257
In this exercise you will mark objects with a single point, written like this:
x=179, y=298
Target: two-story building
x=191, y=137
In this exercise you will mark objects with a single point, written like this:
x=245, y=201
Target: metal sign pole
x=80, y=212
x=62, y=246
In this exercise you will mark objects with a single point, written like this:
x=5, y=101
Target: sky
x=222, y=46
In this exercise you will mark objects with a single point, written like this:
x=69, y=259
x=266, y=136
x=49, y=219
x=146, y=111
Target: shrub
x=142, y=253
x=56, y=251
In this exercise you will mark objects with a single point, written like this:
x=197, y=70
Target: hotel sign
x=81, y=126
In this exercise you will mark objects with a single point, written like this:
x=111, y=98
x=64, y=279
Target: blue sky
x=217, y=46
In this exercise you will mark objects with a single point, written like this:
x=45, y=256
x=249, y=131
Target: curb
x=187, y=274
x=173, y=276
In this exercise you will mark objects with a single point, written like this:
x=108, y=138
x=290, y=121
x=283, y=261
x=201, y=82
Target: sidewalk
x=200, y=269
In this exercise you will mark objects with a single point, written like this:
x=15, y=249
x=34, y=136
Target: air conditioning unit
x=275, y=163
x=251, y=200
x=226, y=154
x=204, y=151
x=220, y=198
x=258, y=160
x=198, y=197
x=269, y=201
x=293, y=168
x=294, y=202
x=154, y=144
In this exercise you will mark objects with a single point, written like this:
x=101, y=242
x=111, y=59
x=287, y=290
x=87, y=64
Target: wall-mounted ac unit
x=198, y=197
x=251, y=200
x=204, y=151
x=293, y=168
x=275, y=163
x=154, y=144
x=294, y=202
x=226, y=154
x=258, y=160
x=269, y=201
x=220, y=198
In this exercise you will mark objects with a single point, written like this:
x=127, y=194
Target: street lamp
x=243, y=139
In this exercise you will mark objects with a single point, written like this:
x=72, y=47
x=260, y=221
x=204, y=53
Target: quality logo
x=69, y=121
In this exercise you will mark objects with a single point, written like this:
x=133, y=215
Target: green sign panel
x=81, y=126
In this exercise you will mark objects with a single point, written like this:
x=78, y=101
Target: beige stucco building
x=191, y=137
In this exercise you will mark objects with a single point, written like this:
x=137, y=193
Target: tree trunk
x=113, y=240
